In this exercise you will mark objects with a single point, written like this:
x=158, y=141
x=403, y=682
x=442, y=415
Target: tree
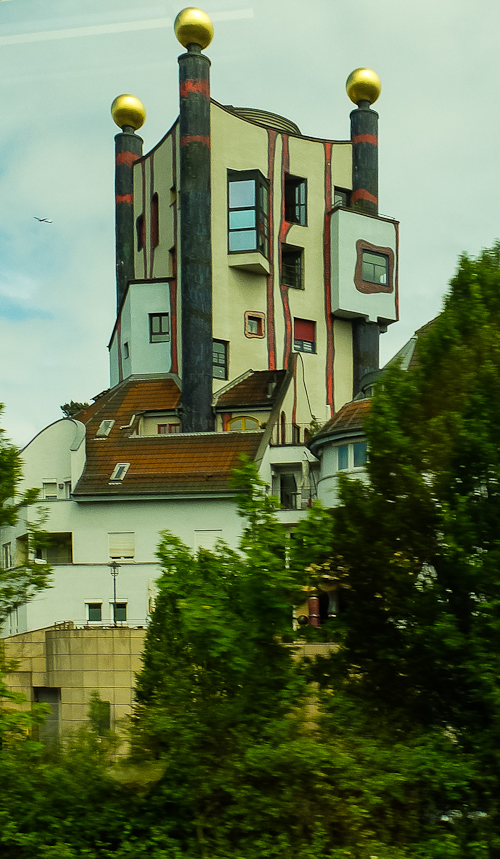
x=71, y=409
x=416, y=552
x=20, y=580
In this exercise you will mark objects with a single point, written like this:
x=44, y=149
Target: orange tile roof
x=201, y=462
x=349, y=417
x=258, y=389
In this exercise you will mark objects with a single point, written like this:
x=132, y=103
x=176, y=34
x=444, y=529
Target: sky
x=63, y=62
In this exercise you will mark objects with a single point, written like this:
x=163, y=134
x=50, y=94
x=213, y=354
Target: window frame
x=260, y=207
x=224, y=365
x=93, y=605
x=160, y=336
x=298, y=277
x=260, y=318
x=299, y=343
x=296, y=207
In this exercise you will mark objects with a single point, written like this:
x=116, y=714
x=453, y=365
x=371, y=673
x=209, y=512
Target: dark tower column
x=129, y=114
x=363, y=88
x=194, y=30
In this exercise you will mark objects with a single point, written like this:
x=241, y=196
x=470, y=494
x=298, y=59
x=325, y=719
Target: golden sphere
x=128, y=110
x=363, y=84
x=193, y=25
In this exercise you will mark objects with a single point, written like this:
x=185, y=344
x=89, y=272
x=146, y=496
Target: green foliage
x=20, y=583
x=71, y=409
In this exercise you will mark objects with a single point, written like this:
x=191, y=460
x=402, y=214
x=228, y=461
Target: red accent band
x=327, y=253
x=126, y=158
x=366, y=138
x=189, y=87
x=271, y=334
x=363, y=194
x=124, y=198
x=195, y=138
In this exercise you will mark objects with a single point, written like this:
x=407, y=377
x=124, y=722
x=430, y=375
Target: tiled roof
x=178, y=463
x=349, y=417
x=259, y=388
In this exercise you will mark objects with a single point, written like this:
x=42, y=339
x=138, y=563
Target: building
x=254, y=276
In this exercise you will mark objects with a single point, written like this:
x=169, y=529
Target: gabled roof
x=255, y=388
x=158, y=465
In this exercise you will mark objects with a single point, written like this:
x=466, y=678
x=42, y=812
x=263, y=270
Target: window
x=57, y=549
x=375, y=267
x=126, y=350
x=159, y=327
x=304, y=335
x=121, y=545
x=120, y=471
x=49, y=490
x=292, y=267
x=49, y=731
x=219, y=359
x=288, y=491
x=141, y=232
x=7, y=556
x=254, y=324
x=352, y=455
x=94, y=612
x=296, y=200
x=104, y=429
x=119, y=611
x=166, y=429
x=341, y=197
x=155, y=224
x=243, y=424
x=248, y=212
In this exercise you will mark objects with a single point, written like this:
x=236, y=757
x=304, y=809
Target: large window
x=292, y=267
x=159, y=327
x=375, y=267
x=296, y=200
x=219, y=359
x=352, y=456
x=248, y=212
x=304, y=335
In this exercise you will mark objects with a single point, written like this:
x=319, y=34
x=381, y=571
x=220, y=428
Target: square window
x=254, y=324
x=159, y=327
x=296, y=200
x=292, y=267
x=49, y=491
x=304, y=335
x=219, y=359
x=375, y=267
x=121, y=545
x=248, y=206
x=94, y=611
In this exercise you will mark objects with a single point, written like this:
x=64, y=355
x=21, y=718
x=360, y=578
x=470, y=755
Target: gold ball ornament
x=193, y=25
x=363, y=84
x=128, y=110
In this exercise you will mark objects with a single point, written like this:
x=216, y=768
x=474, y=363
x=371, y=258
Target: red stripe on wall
x=366, y=138
x=284, y=228
x=127, y=158
x=186, y=139
x=200, y=87
x=271, y=334
x=363, y=194
x=294, y=407
x=124, y=198
x=330, y=346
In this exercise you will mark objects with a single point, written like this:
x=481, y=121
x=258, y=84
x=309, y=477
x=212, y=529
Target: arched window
x=243, y=423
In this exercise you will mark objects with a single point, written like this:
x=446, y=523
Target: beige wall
x=78, y=662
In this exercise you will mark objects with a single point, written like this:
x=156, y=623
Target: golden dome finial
x=128, y=110
x=193, y=26
x=363, y=85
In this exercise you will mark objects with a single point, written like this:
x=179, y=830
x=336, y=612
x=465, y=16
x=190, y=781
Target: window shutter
x=122, y=545
x=303, y=330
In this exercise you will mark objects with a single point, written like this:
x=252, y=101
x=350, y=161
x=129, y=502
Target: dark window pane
x=94, y=611
x=359, y=454
x=343, y=456
x=120, y=611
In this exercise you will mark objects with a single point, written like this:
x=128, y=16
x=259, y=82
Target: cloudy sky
x=63, y=61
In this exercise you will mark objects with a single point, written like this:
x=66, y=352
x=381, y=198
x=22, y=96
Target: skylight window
x=104, y=429
x=120, y=471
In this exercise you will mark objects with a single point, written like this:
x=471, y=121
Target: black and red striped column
x=364, y=138
x=129, y=114
x=195, y=241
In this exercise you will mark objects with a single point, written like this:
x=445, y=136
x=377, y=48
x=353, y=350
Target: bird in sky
x=42, y=220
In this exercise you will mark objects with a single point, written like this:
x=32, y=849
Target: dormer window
x=104, y=429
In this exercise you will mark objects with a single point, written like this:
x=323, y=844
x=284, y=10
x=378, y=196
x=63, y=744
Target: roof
x=256, y=388
x=350, y=418
x=163, y=464
x=407, y=356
